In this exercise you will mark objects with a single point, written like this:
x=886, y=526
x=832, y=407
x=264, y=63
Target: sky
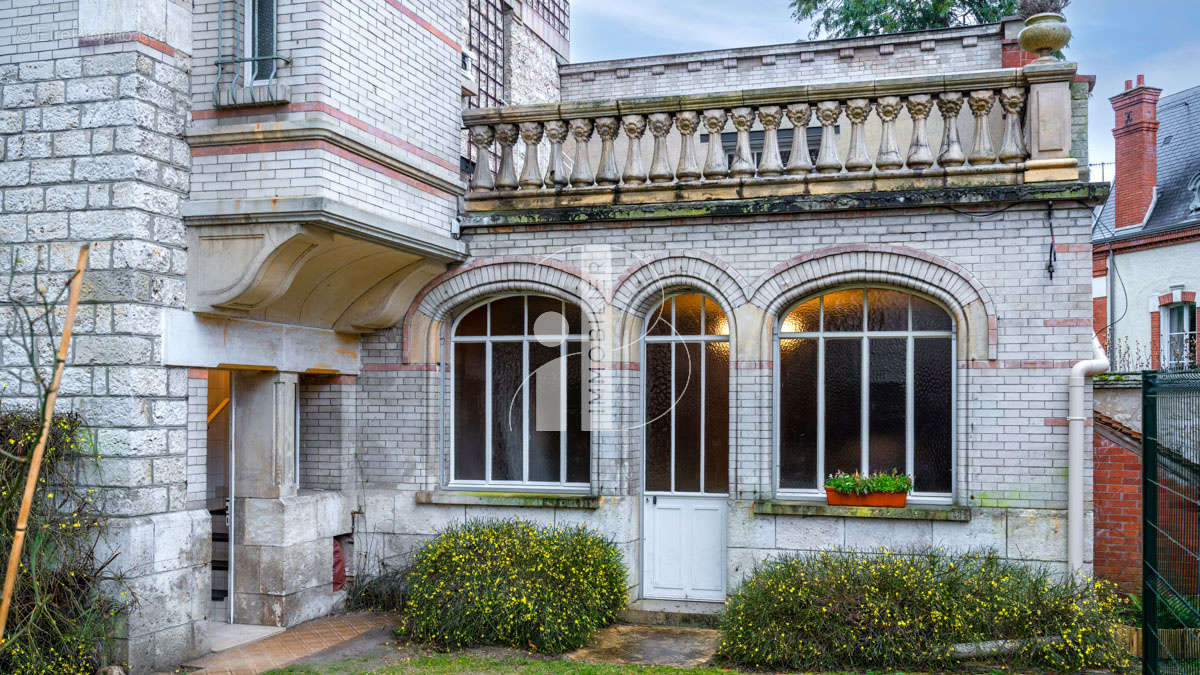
x=1113, y=39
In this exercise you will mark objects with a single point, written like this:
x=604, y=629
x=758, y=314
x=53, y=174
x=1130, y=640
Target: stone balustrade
x=895, y=133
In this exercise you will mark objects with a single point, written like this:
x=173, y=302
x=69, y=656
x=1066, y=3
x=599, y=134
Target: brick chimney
x=1136, y=134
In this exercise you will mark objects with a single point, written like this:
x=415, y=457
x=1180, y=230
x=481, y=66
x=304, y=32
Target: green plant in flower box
x=858, y=484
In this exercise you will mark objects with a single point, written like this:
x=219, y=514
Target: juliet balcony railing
x=996, y=127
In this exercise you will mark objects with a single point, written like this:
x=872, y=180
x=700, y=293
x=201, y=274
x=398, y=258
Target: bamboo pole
x=35, y=462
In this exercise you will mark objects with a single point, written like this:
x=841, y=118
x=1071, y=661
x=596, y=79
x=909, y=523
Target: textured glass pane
x=844, y=310
x=687, y=314
x=715, y=322
x=579, y=436
x=843, y=405
x=474, y=323
x=887, y=310
x=804, y=319
x=264, y=38
x=888, y=406
x=575, y=320
x=469, y=412
x=928, y=316
x=658, y=417
x=508, y=316
x=659, y=321
x=687, y=416
x=507, y=419
x=545, y=412
x=798, y=413
x=931, y=416
x=547, y=311
x=716, y=417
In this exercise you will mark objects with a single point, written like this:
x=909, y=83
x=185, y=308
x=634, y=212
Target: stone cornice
x=352, y=140
x=328, y=214
x=1090, y=194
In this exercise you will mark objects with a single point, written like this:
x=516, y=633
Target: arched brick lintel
x=486, y=277
x=854, y=264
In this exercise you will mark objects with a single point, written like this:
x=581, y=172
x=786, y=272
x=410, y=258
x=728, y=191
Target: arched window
x=866, y=381
x=519, y=412
x=686, y=372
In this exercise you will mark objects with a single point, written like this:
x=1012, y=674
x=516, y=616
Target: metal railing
x=256, y=89
x=1171, y=522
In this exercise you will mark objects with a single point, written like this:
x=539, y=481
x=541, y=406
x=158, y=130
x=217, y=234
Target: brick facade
x=1117, y=499
x=129, y=139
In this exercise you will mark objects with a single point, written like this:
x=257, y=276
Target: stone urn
x=1045, y=33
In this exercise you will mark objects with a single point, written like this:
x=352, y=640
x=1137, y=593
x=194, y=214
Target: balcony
x=873, y=143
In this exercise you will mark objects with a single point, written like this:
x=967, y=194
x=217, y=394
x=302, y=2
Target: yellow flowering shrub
x=60, y=621
x=846, y=610
x=512, y=583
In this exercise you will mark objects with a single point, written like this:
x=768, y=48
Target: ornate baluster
x=919, y=154
x=660, y=168
x=888, y=108
x=607, y=174
x=715, y=166
x=481, y=138
x=531, y=171
x=556, y=131
x=687, y=123
x=506, y=176
x=1012, y=150
x=798, y=160
x=581, y=169
x=857, y=111
x=770, y=163
x=949, y=103
x=743, y=159
x=828, y=113
x=981, y=104
x=635, y=171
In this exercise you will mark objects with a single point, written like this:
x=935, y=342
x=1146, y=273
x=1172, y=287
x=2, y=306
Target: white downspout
x=1075, y=424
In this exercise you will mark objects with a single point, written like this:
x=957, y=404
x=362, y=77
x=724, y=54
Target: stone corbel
x=238, y=268
x=386, y=303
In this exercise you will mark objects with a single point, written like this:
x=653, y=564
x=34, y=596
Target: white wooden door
x=684, y=550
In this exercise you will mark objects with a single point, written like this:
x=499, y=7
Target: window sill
x=527, y=499
x=775, y=507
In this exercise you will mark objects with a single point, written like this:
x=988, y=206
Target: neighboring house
x=1145, y=248
x=1146, y=240
x=303, y=332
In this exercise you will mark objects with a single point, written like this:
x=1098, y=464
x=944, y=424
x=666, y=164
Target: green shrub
x=60, y=620
x=513, y=583
x=889, y=610
x=858, y=484
x=385, y=591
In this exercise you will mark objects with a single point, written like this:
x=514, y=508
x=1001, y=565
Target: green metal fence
x=1171, y=522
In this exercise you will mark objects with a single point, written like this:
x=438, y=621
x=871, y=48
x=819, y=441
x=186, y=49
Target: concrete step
x=685, y=613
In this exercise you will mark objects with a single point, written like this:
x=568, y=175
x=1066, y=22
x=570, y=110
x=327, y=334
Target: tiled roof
x=1104, y=420
x=1178, y=163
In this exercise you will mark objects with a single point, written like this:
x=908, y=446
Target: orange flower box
x=886, y=499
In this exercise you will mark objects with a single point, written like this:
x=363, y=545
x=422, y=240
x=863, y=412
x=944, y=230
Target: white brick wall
x=849, y=60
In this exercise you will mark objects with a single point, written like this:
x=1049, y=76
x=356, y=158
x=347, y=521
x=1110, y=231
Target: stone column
x=264, y=418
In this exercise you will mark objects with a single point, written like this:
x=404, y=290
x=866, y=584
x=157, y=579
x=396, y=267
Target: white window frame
x=676, y=338
x=249, y=33
x=1168, y=360
x=488, y=340
x=818, y=493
